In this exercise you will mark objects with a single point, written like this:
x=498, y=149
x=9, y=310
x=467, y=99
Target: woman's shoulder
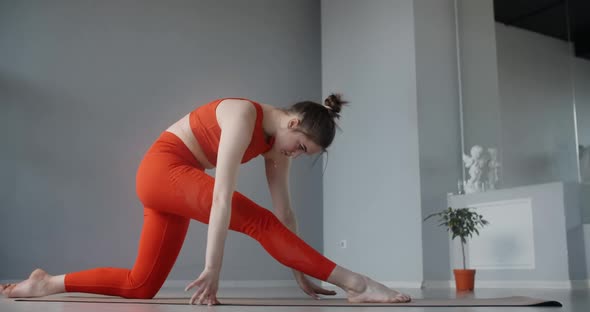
x=237, y=107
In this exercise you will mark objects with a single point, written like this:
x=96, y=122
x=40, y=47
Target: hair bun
x=334, y=103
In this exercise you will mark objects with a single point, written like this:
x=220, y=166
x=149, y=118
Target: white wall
x=372, y=182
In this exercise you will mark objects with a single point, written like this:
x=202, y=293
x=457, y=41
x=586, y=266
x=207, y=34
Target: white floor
x=572, y=300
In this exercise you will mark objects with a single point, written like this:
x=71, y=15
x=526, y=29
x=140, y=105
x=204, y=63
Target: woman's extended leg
x=287, y=248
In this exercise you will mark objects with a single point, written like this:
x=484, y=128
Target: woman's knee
x=143, y=292
x=263, y=223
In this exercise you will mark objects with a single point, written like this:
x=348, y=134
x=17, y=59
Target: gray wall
x=87, y=86
x=372, y=181
x=438, y=122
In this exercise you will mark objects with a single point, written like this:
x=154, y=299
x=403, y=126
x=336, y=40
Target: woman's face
x=293, y=143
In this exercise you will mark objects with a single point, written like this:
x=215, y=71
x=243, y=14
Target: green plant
x=462, y=222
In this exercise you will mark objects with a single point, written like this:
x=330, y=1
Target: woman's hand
x=310, y=288
x=207, y=285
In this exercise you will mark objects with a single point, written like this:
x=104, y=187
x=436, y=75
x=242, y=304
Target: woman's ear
x=293, y=123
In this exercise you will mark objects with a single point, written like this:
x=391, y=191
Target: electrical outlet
x=342, y=243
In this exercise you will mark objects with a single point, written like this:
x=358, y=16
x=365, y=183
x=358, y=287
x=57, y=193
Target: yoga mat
x=463, y=302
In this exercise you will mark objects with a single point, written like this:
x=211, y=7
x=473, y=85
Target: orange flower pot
x=464, y=279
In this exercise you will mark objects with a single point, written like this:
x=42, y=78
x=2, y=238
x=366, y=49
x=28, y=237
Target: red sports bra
x=203, y=122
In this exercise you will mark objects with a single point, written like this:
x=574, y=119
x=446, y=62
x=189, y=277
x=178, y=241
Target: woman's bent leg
x=161, y=240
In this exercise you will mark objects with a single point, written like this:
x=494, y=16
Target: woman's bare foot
x=374, y=292
x=39, y=284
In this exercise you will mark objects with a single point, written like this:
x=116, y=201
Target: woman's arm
x=277, y=176
x=236, y=119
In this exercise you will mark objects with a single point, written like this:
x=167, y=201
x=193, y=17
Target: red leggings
x=174, y=189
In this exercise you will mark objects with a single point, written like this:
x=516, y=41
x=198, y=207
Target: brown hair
x=318, y=122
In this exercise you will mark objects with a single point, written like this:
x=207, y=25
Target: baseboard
x=394, y=284
x=580, y=284
x=574, y=284
x=263, y=284
x=286, y=283
x=228, y=284
x=438, y=284
x=403, y=284
x=236, y=284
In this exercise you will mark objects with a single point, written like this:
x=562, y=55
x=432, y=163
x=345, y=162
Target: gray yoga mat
x=516, y=301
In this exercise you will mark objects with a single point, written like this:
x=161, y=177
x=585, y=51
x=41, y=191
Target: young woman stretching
x=174, y=188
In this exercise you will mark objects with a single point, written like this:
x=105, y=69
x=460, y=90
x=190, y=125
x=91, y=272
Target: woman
x=174, y=188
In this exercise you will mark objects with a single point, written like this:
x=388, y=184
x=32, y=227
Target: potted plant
x=462, y=222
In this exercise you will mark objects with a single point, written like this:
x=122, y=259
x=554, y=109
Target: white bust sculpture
x=476, y=163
